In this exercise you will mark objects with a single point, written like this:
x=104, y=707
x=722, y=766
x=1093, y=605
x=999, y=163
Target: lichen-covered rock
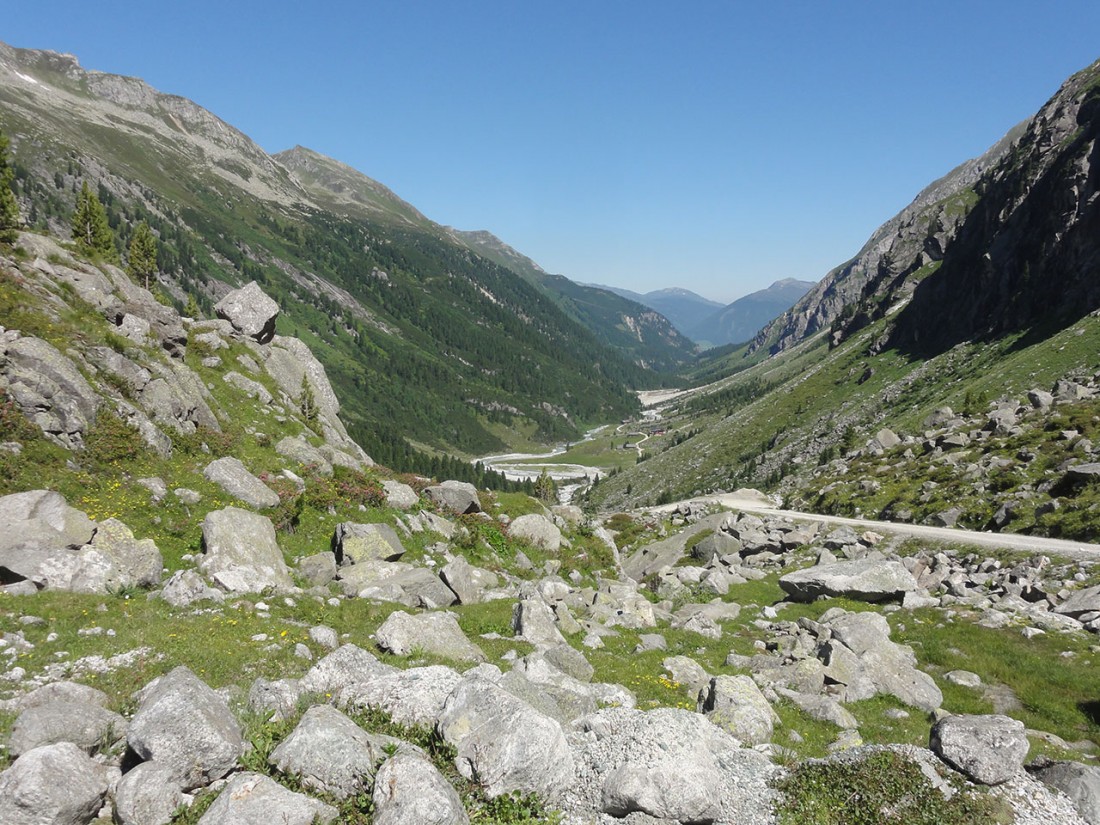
x=869, y=580
x=735, y=704
x=344, y=666
x=354, y=543
x=250, y=311
x=253, y=799
x=537, y=530
x=52, y=785
x=232, y=476
x=330, y=753
x=86, y=724
x=147, y=795
x=433, y=633
x=240, y=552
x=469, y=583
x=187, y=728
x=400, y=496
x=48, y=389
x=987, y=749
x=409, y=790
x=669, y=764
x=503, y=743
x=458, y=497
x=411, y=697
x=115, y=559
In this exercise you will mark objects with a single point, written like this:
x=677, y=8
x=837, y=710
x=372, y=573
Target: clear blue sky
x=713, y=145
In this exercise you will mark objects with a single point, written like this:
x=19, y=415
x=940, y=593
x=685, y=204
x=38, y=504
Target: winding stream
x=529, y=466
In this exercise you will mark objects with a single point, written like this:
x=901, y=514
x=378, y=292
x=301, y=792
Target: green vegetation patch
x=881, y=789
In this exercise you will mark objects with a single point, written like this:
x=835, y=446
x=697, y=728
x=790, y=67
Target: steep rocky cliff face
x=1001, y=243
x=1028, y=253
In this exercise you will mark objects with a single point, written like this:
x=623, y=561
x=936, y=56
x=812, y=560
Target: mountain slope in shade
x=741, y=320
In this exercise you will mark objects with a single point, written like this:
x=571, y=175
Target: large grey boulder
x=395, y=582
x=410, y=697
x=233, y=477
x=668, y=764
x=1081, y=602
x=400, y=496
x=346, y=665
x=735, y=704
x=537, y=530
x=115, y=559
x=409, y=790
x=38, y=530
x=187, y=728
x=298, y=449
x=42, y=516
x=185, y=587
x=52, y=785
x=469, y=583
x=253, y=799
x=86, y=724
x=354, y=543
x=147, y=795
x=533, y=620
x=987, y=749
x=503, y=743
x=330, y=753
x=433, y=633
x=48, y=389
x=62, y=692
x=860, y=656
x=1081, y=783
x=868, y=580
x=456, y=496
x=279, y=697
x=240, y=552
x=176, y=398
x=250, y=311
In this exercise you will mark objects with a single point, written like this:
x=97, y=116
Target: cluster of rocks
x=968, y=446
x=155, y=391
x=76, y=762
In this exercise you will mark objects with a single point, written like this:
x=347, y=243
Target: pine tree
x=193, y=310
x=546, y=490
x=91, y=232
x=143, y=253
x=307, y=403
x=9, y=209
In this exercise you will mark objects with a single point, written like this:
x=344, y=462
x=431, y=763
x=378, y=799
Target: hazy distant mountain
x=746, y=316
x=681, y=306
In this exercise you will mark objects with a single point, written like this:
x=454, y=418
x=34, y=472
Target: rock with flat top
x=867, y=580
x=250, y=311
x=240, y=552
x=989, y=750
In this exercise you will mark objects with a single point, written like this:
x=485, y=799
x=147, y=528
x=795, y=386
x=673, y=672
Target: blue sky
x=717, y=146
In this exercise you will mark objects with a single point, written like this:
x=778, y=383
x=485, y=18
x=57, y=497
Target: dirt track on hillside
x=1078, y=550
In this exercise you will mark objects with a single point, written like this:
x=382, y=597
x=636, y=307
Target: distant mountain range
x=711, y=324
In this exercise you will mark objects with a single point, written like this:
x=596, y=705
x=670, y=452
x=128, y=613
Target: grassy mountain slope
x=642, y=336
x=423, y=339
